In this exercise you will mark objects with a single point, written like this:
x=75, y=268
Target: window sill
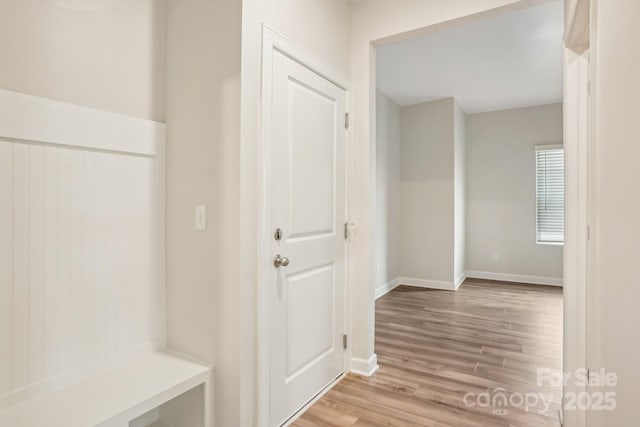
x=550, y=243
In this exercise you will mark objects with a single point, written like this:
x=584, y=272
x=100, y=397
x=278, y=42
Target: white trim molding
x=272, y=40
x=517, y=278
x=364, y=367
x=428, y=284
x=460, y=279
x=33, y=119
x=578, y=138
x=388, y=287
x=420, y=283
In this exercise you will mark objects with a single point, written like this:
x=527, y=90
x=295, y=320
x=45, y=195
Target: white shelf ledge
x=113, y=396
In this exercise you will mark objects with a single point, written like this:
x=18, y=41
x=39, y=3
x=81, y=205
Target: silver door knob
x=280, y=261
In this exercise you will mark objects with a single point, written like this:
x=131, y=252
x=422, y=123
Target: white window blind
x=550, y=194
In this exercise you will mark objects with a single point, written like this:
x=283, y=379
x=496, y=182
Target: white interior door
x=307, y=203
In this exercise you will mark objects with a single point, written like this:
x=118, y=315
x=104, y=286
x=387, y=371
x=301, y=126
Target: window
x=550, y=194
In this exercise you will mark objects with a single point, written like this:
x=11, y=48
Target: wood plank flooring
x=434, y=347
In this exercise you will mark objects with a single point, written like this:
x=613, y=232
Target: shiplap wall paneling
x=79, y=258
x=6, y=264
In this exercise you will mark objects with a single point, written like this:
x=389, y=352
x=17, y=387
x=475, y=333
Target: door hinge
x=346, y=120
x=344, y=341
x=588, y=232
x=346, y=231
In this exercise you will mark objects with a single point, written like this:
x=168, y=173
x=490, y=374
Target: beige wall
x=615, y=229
x=459, y=192
x=105, y=54
x=501, y=183
x=467, y=191
x=427, y=198
x=203, y=132
x=388, y=191
x=431, y=212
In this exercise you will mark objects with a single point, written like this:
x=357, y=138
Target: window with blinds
x=550, y=195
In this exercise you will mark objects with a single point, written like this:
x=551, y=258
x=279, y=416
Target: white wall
x=427, y=200
x=204, y=307
x=615, y=230
x=459, y=192
x=388, y=191
x=501, y=182
x=106, y=54
x=322, y=28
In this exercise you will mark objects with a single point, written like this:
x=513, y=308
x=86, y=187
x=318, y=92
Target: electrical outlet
x=201, y=217
x=496, y=256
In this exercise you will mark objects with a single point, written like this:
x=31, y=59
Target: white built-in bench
x=82, y=273
x=130, y=393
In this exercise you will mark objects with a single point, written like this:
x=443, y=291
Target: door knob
x=280, y=261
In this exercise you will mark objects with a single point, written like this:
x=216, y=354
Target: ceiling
x=507, y=61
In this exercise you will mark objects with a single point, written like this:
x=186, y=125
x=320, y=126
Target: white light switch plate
x=201, y=217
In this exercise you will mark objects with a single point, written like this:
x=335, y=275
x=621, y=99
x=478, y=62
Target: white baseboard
x=385, y=289
x=518, y=278
x=429, y=284
x=460, y=279
x=364, y=367
x=419, y=283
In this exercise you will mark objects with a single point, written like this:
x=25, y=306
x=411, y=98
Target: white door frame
x=576, y=248
x=274, y=42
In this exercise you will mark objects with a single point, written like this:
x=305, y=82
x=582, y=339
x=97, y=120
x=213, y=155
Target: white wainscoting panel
x=81, y=243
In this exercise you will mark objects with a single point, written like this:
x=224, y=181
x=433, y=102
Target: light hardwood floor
x=434, y=347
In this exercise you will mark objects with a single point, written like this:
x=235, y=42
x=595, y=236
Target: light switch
x=201, y=217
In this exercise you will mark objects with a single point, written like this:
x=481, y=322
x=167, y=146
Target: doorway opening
x=470, y=204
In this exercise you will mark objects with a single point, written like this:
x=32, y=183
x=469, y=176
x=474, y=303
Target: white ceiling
x=508, y=61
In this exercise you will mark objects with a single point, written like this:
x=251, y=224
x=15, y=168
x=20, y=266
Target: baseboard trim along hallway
x=364, y=367
x=385, y=289
x=516, y=278
x=485, y=275
x=419, y=283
